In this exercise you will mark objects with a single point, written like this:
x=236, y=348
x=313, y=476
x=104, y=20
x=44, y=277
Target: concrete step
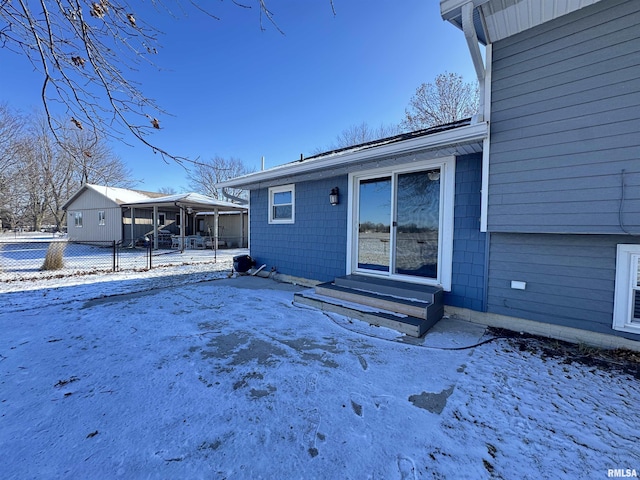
x=412, y=326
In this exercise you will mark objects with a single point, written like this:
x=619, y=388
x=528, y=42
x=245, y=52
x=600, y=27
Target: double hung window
x=282, y=204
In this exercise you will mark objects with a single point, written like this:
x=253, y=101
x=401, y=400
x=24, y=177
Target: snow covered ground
x=181, y=373
x=22, y=256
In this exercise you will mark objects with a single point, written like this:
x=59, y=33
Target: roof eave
x=451, y=11
x=468, y=133
x=453, y=8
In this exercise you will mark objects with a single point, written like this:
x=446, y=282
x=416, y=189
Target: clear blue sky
x=234, y=90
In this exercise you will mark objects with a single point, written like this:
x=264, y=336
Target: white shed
x=94, y=212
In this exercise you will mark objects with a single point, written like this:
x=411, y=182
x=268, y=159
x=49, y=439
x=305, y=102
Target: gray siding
x=570, y=278
x=90, y=203
x=565, y=133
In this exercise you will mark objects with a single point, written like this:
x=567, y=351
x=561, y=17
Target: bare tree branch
x=204, y=176
x=357, y=134
x=446, y=100
x=87, y=52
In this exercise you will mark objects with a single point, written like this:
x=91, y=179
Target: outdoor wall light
x=333, y=196
x=189, y=210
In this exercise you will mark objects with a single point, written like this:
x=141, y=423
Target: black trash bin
x=242, y=263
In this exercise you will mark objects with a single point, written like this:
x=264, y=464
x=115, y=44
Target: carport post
x=215, y=234
x=133, y=239
x=182, y=230
x=155, y=227
x=242, y=234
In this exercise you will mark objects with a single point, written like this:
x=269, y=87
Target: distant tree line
x=39, y=173
x=370, y=227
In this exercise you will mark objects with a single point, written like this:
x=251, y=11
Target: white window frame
x=279, y=189
x=101, y=218
x=447, y=166
x=77, y=219
x=627, y=261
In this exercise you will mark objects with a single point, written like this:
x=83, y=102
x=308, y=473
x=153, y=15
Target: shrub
x=54, y=260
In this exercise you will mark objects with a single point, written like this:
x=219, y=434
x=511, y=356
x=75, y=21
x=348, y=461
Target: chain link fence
x=58, y=256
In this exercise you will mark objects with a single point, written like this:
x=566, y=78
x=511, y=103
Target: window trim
x=77, y=219
x=627, y=261
x=279, y=189
x=101, y=218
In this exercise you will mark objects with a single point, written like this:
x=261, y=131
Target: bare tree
x=91, y=160
x=168, y=190
x=359, y=133
x=446, y=100
x=11, y=124
x=44, y=173
x=203, y=176
x=87, y=52
x=32, y=177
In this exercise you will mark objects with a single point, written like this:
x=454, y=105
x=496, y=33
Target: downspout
x=484, y=192
x=233, y=198
x=484, y=85
x=471, y=36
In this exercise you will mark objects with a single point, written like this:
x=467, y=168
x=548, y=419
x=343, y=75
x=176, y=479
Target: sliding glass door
x=398, y=224
x=417, y=226
x=374, y=224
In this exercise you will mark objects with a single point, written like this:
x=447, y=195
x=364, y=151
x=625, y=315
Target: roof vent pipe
x=471, y=35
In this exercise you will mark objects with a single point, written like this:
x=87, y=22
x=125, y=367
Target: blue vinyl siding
x=469, y=244
x=314, y=247
x=565, y=124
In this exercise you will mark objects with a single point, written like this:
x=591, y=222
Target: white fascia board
x=470, y=133
x=451, y=8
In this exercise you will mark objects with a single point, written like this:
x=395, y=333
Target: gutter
x=470, y=133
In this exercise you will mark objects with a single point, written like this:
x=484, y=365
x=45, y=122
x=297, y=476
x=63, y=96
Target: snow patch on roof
x=122, y=195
